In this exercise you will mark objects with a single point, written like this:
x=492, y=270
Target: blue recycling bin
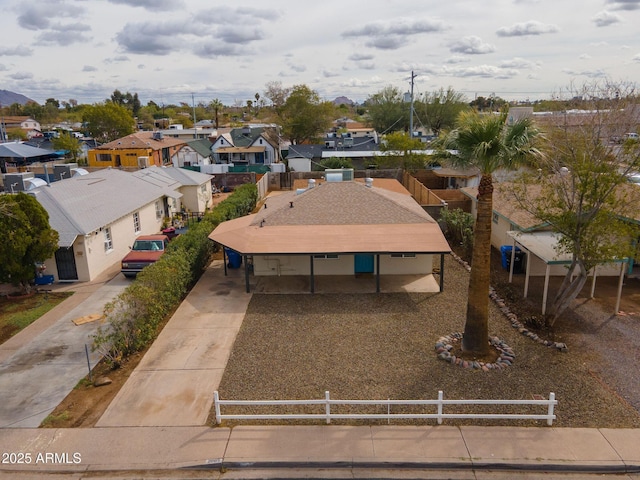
x=518, y=259
x=233, y=257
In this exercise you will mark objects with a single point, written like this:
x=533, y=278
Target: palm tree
x=216, y=105
x=489, y=143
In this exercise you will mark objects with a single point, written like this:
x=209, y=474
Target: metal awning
x=544, y=245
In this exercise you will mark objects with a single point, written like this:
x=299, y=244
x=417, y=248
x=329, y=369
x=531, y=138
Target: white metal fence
x=440, y=403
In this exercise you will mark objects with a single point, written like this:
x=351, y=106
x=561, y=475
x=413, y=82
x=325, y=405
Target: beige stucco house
x=338, y=228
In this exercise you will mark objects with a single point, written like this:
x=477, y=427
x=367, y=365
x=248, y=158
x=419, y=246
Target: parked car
x=147, y=249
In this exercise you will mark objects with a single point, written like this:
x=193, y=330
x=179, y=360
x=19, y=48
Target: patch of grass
x=84, y=383
x=52, y=419
x=20, y=312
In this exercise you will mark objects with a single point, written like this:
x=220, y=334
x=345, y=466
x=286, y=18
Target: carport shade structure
x=21, y=153
x=338, y=218
x=543, y=245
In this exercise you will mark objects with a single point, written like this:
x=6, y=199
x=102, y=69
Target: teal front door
x=363, y=264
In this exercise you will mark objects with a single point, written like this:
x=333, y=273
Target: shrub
x=458, y=227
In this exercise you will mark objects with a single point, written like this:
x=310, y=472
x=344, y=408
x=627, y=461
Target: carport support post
x=311, y=279
x=620, y=282
x=224, y=258
x=546, y=289
x=526, y=276
x=378, y=273
x=441, y=272
x=513, y=256
x=246, y=274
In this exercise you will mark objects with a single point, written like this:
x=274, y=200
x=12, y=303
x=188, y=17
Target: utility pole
x=193, y=102
x=413, y=76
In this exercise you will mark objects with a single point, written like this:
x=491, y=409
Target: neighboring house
x=247, y=146
x=195, y=152
x=28, y=124
x=456, y=178
x=510, y=222
x=361, y=151
x=138, y=150
x=98, y=216
x=87, y=144
x=186, y=134
x=195, y=187
x=338, y=228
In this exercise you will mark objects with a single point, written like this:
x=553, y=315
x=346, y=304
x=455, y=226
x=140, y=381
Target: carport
x=544, y=246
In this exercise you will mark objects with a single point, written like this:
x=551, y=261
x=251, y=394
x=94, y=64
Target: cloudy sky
x=171, y=51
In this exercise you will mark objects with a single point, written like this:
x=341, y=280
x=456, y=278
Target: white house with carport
x=353, y=228
x=518, y=229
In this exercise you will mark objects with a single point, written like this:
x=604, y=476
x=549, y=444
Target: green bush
x=458, y=227
x=134, y=317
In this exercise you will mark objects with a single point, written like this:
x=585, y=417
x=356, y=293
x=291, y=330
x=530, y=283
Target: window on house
x=136, y=222
x=103, y=157
x=108, y=241
x=403, y=255
x=260, y=141
x=159, y=210
x=203, y=188
x=328, y=256
x=495, y=218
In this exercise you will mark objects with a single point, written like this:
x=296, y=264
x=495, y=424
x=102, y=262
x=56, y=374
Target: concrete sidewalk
x=333, y=447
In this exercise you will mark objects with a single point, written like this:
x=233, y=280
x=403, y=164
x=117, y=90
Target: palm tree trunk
x=476, y=329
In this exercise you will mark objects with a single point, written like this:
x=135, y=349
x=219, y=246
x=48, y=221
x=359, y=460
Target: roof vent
x=368, y=182
x=311, y=183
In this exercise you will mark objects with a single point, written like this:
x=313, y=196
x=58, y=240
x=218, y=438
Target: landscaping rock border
x=445, y=344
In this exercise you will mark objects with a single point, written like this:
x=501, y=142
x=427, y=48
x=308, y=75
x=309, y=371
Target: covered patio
x=544, y=246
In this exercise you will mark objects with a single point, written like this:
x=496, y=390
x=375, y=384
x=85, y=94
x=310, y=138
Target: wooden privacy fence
x=440, y=403
x=420, y=193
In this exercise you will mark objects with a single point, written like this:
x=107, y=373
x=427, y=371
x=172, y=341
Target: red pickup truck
x=146, y=250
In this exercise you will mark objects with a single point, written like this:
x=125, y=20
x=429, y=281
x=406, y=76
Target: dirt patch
x=85, y=404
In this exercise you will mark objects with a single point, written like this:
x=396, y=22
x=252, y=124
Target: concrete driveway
x=40, y=365
x=173, y=385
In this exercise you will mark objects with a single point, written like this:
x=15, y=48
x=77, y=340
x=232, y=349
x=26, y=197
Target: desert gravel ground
x=379, y=346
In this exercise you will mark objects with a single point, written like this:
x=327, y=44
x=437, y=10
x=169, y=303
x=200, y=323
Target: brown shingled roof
x=335, y=217
x=141, y=140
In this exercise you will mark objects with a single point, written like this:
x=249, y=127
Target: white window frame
x=108, y=240
x=136, y=222
x=403, y=255
x=159, y=210
x=327, y=256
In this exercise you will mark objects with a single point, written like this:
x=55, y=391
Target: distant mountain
x=9, y=98
x=343, y=101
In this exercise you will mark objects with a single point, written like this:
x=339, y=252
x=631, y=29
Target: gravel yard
x=379, y=346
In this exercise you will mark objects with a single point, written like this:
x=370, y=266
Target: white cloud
x=19, y=50
x=471, y=46
x=531, y=27
x=624, y=4
x=605, y=18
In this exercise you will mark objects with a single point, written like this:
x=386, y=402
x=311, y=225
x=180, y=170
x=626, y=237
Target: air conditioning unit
x=143, y=162
x=330, y=144
x=157, y=135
